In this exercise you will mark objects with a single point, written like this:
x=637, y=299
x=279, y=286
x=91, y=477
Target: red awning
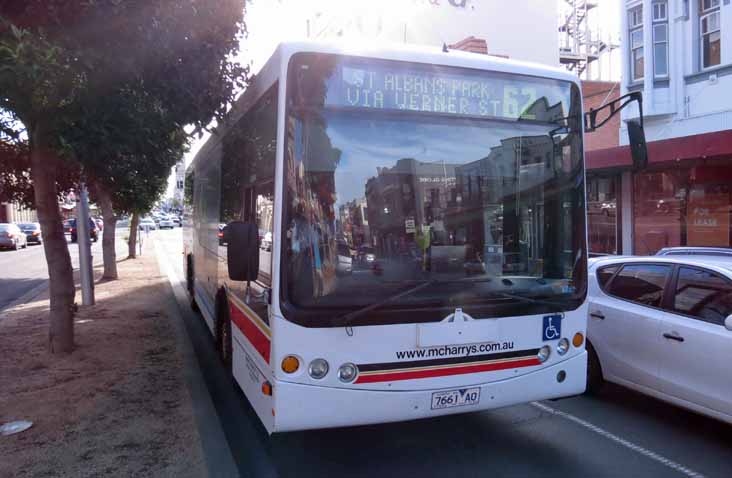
x=698, y=146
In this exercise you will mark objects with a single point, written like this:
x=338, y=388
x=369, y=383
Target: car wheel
x=595, y=381
x=15, y=245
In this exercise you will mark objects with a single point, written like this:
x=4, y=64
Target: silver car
x=11, y=237
x=166, y=223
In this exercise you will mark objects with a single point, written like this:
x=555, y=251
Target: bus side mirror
x=638, y=147
x=728, y=322
x=242, y=253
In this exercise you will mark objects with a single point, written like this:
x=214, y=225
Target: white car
x=344, y=266
x=663, y=326
x=166, y=223
x=147, y=223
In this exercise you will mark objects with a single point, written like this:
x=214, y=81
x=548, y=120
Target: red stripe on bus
x=409, y=375
x=255, y=336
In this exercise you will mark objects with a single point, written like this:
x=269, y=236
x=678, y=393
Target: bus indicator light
x=267, y=388
x=290, y=364
x=578, y=340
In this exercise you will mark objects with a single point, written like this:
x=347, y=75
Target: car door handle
x=675, y=337
x=597, y=315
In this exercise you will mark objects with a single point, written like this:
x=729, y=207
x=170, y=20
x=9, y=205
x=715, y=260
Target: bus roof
x=276, y=67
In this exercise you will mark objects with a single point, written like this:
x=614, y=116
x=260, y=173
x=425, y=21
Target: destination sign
x=447, y=90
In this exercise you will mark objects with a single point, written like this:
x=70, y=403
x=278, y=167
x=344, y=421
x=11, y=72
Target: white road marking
x=620, y=441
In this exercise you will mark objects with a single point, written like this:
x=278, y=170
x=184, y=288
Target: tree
x=54, y=52
x=127, y=157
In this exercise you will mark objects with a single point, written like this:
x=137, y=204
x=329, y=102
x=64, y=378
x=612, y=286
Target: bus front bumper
x=303, y=407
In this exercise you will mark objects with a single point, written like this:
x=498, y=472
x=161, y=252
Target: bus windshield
x=396, y=174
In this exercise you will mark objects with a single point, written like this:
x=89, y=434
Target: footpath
x=119, y=404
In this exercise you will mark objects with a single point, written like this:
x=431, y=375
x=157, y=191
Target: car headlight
x=563, y=346
x=347, y=372
x=544, y=353
x=318, y=368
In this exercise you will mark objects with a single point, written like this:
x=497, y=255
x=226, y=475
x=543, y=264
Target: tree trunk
x=44, y=165
x=132, y=240
x=109, y=253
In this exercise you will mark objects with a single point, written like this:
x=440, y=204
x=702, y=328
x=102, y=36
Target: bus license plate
x=455, y=398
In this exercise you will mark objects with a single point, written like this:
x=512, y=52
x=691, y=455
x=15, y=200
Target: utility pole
x=85, y=257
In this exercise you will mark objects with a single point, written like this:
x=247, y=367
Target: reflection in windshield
x=379, y=202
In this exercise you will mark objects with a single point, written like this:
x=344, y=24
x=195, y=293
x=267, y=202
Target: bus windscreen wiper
x=345, y=320
x=555, y=307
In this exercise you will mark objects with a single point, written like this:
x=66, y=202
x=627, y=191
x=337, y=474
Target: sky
x=272, y=21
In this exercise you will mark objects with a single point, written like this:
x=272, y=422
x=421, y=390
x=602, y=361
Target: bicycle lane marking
x=620, y=441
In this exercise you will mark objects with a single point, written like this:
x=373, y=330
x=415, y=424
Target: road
x=23, y=270
x=617, y=434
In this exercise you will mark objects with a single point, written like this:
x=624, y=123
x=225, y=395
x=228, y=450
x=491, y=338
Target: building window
x=635, y=34
x=602, y=205
x=660, y=40
x=682, y=207
x=710, y=31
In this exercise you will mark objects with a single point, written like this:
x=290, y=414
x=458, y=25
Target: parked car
x=177, y=221
x=11, y=237
x=663, y=326
x=220, y=235
x=166, y=223
x=695, y=251
x=32, y=231
x=345, y=261
x=68, y=226
x=266, y=242
x=365, y=255
x=93, y=230
x=146, y=223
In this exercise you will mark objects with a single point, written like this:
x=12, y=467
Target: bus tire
x=595, y=380
x=224, y=345
x=189, y=283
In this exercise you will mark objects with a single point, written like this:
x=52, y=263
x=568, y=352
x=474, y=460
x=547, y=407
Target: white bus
x=380, y=235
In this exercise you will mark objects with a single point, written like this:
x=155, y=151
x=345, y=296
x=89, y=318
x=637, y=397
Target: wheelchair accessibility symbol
x=551, y=327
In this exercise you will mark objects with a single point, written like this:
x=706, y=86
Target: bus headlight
x=318, y=368
x=347, y=372
x=544, y=353
x=563, y=346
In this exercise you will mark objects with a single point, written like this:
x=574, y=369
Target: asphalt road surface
x=617, y=434
x=25, y=269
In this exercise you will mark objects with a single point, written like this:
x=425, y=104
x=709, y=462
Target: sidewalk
x=119, y=404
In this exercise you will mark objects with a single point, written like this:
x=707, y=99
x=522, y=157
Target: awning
x=698, y=146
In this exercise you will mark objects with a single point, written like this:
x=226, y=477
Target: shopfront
x=683, y=198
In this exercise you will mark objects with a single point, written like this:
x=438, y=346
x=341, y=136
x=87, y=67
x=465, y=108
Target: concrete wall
x=596, y=94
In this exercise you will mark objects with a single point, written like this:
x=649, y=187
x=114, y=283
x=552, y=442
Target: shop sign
x=409, y=226
x=449, y=91
x=708, y=220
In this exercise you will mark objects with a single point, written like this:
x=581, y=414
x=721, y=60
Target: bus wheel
x=223, y=332
x=595, y=381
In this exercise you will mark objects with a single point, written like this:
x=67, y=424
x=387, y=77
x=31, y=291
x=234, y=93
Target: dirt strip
x=119, y=404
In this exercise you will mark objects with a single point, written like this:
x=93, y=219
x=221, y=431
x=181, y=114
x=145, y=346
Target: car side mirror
x=638, y=147
x=728, y=322
x=242, y=252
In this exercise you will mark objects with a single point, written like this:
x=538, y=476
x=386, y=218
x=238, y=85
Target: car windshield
x=494, y=200
x=25, y=226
